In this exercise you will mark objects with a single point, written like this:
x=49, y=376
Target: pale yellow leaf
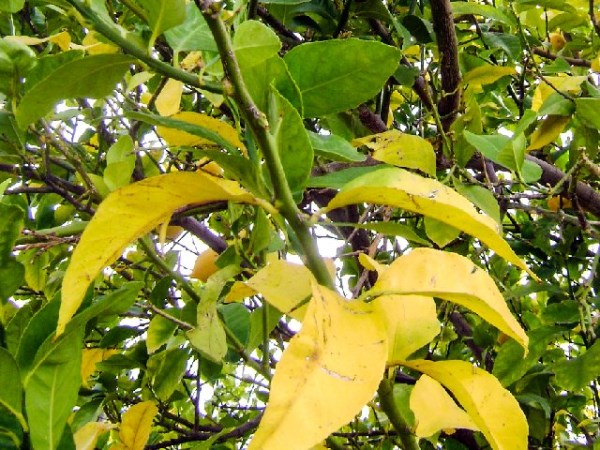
x=62, y=39
x=411, y=322
x=493, y=409
x=129, y=213
x=86, y=437
x=136, y=425
x=406, y=190
x=89, y=358
x=208, y=336
x=435, y=410
x=401, y=149
x=94, y=46
x=168, y=100
x=486, y=74
x=286, y=286
x=176, y=137
x=330, y=369
x=454, y=278
x=371, y=264
x=548, y=131
x=238, y=292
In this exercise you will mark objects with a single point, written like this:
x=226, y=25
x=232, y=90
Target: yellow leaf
x=411, y=322
x=454, y=278
x=401, y=149
x=238, y=292
x=371, y=264
x=596, y=64
x=86, y=437
x=402, y=189
x=168, y=100
x=562, y=83
x=89, y=358
x=487, y=74
x=435, y=410
x=94, y=46
x=330, y=369
x=129, y=213
x=137, y=424
x=284, y=285
x=493, y=409
x=177, y=137
x=548, y=131
x=62, y=39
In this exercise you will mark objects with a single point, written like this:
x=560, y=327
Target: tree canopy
x=299, y=224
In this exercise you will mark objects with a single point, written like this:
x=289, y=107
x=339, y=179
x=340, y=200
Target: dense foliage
x=173, y=172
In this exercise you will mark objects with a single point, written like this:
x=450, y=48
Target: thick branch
x=443, y=25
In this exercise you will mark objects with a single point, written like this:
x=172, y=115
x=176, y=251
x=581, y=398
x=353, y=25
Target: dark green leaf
x=337, y=75
x=166, y=370
x=587, y=110
x=11, y=390
x=337, y=180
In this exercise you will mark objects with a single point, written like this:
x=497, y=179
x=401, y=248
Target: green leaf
x=41, y=325
x=337, y=180
x=193, y=34
x=512, y=363
x=208, y=337
x=51, y=390
x=163, y=15
x=12, y=274
x=120, y=162
x=293, y=144
x=256, y=47
x=578, y=372
x=167, y=368
x=11, y=432
x=237, y=318
x=334, y=148
x=90, y=77
x=11, y=223
x=12, y=6
x=337, y=75
x=439, y=232
x=11, y=390
x=254, y=43
x=487, y=11
x=159, y=332
x=390, y=229
x=587, y=110
x=481, y=197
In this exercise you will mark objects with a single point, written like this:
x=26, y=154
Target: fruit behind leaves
x=205, y=265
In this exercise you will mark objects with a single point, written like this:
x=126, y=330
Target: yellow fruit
x=558, y=41
x=173, y=232
x=555, y=203
x=205, y=265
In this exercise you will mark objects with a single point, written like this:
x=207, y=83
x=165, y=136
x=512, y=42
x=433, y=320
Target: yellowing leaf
x=454, y=278
x=402, y=189
x=86, y=437
x=129, y=213
x=178, y=137
x=285, y=286
x=493, y=409
x=62, y=39
x=371, y=264
x=94, y=46
x=401, y=149
x=169, y=98
x=548, y=131
x=330, y=369
x=411, y=322
x=238, y=292
x=543, y=91
x=89, y=358
x=487, y=74
x=435, y=410
x=136, y=425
